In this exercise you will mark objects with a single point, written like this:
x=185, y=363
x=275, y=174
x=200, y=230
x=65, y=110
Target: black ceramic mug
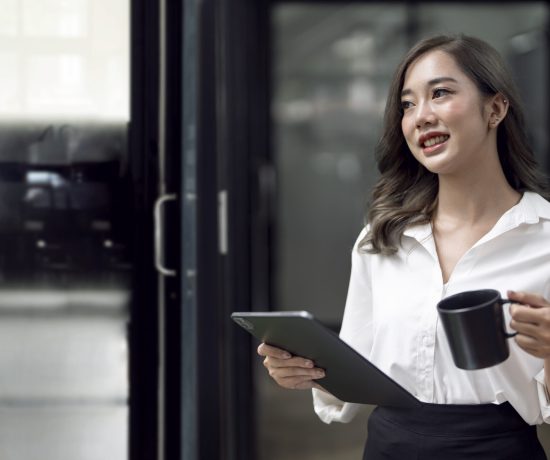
x=474, y=324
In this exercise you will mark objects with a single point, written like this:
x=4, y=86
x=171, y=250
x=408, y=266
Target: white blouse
x=391, y=317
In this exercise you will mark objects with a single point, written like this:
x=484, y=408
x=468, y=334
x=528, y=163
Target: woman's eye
x=439, y=92
x=406, y=105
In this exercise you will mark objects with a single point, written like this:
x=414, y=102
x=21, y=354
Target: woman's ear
x=497, y=108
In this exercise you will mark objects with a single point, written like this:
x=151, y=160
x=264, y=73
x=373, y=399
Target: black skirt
x=451, y=432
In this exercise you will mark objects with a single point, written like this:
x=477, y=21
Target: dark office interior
x=232, y=175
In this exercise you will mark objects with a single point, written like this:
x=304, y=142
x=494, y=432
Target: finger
x=525, y=314
x=268, y=350
x=293, y=378
x=535, y=352
x=525, y=328
x=527, y=342
x=527, y=298
x=532, y=347
x=308, y=385
x=296, y=361
x=296, y=383
x=539, y=331
x=539, y=347
x=285, y=372
x=277, y=367
x=539, y=317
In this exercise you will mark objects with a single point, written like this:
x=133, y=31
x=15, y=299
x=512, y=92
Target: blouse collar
x=529, y=210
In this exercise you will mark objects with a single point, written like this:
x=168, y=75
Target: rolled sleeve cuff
x=331, y=409
x=544, y=397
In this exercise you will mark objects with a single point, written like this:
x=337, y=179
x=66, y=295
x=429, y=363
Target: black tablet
x=348, y=375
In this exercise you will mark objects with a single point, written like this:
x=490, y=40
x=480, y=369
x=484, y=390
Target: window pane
x=332, y=66
x=64, y=229
x=64, y=58
x=331, y=69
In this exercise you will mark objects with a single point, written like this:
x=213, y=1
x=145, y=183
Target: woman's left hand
x=531, y=319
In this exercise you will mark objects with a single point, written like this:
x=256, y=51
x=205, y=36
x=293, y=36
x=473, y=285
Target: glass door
x=331, y=65
x=65, y=229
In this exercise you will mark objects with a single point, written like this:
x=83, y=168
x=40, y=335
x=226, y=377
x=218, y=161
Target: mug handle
x=508, y=335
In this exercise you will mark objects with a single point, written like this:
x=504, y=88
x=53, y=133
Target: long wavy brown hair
x=406, y=192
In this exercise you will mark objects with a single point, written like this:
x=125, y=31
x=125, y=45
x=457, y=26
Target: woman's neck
x=471, y=200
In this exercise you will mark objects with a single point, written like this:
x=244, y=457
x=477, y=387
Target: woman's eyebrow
x=432, y=82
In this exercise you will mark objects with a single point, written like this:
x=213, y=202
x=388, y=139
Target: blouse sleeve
x=544, y=397
x=542, y=390
x=355, y=331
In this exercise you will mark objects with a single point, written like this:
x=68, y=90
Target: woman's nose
x=424, y=114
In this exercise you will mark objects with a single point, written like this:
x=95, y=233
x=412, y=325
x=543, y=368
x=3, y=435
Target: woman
x=458, y=207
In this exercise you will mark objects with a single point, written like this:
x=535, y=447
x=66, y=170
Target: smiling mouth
x=435, y=140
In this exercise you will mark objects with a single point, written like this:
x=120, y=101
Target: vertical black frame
x=232, y=126
x=243, y=146
x=232, y=129
x=143, y=157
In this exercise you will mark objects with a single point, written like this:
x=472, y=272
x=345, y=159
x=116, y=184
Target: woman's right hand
x=289, y=371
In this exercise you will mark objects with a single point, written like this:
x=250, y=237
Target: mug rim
x=465, y=309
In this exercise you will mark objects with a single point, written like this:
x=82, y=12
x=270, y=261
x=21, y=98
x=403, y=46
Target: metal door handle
x=159, y=235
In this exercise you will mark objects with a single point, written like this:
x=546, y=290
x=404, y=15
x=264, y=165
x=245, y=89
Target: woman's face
x=445, y=120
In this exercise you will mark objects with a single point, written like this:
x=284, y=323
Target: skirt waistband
x=456, y=419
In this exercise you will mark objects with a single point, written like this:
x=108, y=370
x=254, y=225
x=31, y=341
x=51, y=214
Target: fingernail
x=308, y=364
x=320, y=374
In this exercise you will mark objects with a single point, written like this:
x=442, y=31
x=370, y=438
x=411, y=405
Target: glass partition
x=331, y=66
x=65, y=262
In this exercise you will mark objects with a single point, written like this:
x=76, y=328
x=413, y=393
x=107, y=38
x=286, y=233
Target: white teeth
x=435, y=140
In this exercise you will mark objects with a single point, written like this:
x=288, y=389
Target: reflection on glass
x=55, y=18
x=82, y=360
x=66, y=433
x=65, y=261
x=67, y=91
x=9, y=83
x=8, y=18
x=331, y=71
x=332, y=64
x=64, y=58
x=518, y=32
